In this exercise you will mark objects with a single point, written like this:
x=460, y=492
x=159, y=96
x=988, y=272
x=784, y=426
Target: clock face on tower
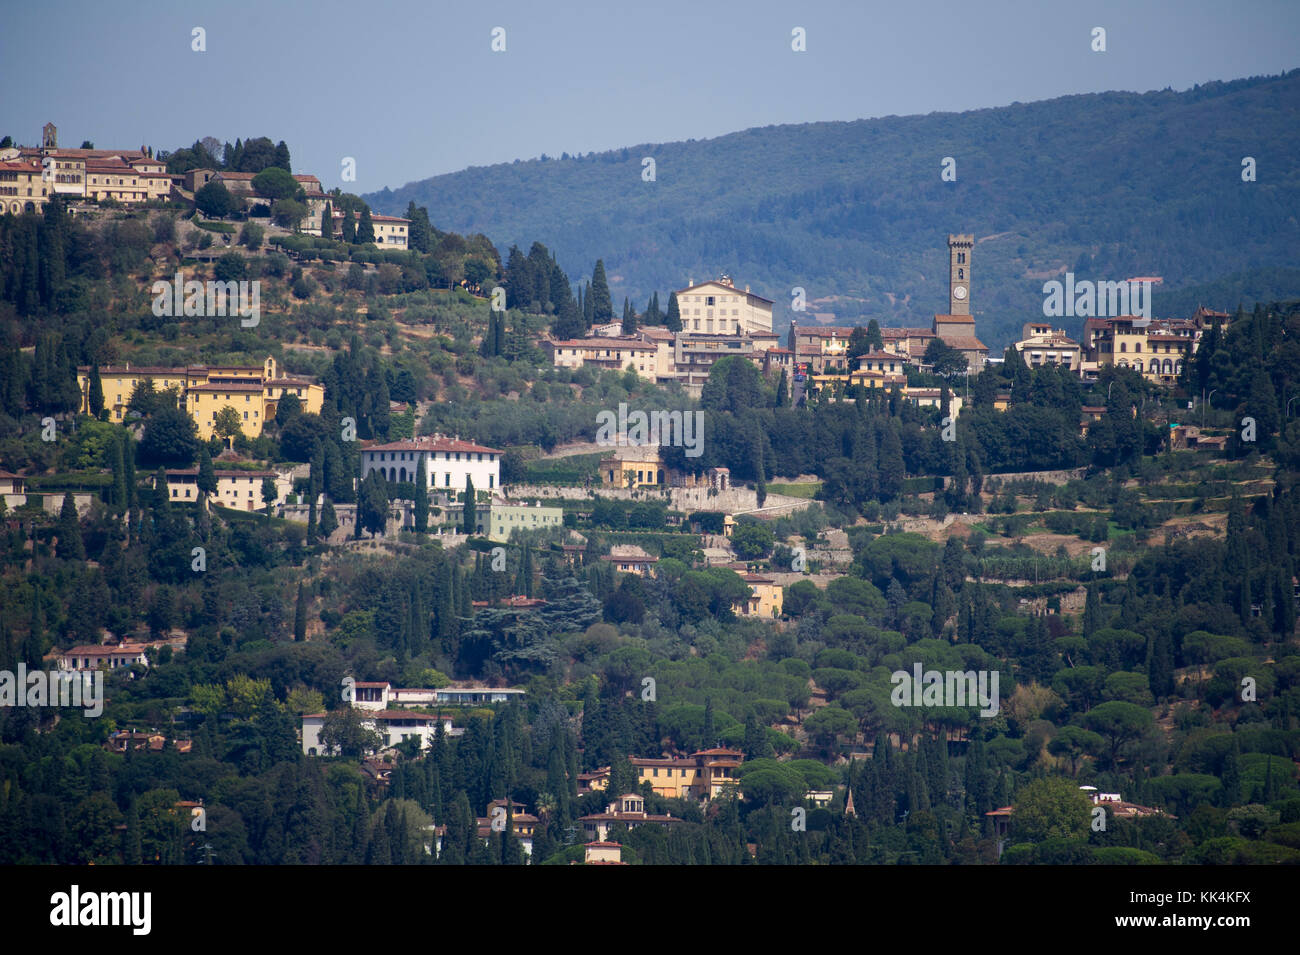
x=959, y=292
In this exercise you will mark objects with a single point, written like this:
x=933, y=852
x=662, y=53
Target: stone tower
x=49, y=136
x=959, y=255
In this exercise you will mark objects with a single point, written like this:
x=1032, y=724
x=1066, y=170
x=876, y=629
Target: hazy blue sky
x=413, y=89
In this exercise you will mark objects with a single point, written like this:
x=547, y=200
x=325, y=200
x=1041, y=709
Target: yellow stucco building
x=766, y=600
x=253, y=391
x=702, y=775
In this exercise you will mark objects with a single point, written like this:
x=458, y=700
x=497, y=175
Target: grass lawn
x=796, y=490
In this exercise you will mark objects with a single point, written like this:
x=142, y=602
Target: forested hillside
x=1108, y=185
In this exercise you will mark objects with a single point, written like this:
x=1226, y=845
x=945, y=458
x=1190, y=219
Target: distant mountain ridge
x=1108, y=185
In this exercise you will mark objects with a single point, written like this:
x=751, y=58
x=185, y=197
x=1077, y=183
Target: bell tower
x=49, y=136
x=959, y=256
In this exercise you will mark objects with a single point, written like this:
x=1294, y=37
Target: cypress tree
x=365, y=228
x=96, y=391
x=207, y=477
x=128, y=461
x=1230, y=777
x=327, y=221
x=349, y=227
x=1160, y=664
x=673, y=320
x=422, y=496
x=469, y=523
x=602, y=307
x=71, y=545
x=300, y=616
x=132, y=851
x=569, y=321
x=329, y=523
x=1091, y=611
x=118, y=499
x=445, y=607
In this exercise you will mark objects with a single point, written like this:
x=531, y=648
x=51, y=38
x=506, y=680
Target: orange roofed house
x=702, y=775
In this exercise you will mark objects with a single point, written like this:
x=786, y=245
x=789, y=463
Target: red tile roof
x=432, y=444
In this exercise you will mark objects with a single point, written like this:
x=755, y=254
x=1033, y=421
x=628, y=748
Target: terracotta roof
x=601, y=342
x=193, y=472
x=374, y=217
x=627, y=817
x=730, y=288
x=826, y=331
x=90, y=153
x=93, y=650
x=432, y=444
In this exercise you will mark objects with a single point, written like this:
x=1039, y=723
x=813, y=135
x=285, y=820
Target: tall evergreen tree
x=469, y=524
x=207, y=476
x=96, y=391
x=349, y=227
x=673, y=320
x=422, y=496
x=1091, y=611
x=329, y=522
x=365, y=228
x=327, y=221
x=300, y=615
x=875, y=341
x=71, y=545
x=602, y=307
x=119, y=497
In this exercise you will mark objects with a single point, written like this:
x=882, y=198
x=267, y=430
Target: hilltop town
x=352, y=510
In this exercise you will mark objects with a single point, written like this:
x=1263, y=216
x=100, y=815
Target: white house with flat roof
x=393, y=727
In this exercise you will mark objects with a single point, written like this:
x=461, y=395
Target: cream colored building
x=391, y=232
x=663, y=341
x=632, y=466
x=241, y=490
x=254, y=392
x=1042, y=345
x=23, y=187
x=1156, y=348
x=766, y=600
x=124, y=175
x=631, y=559
x=718, y=307
x=612, y=354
